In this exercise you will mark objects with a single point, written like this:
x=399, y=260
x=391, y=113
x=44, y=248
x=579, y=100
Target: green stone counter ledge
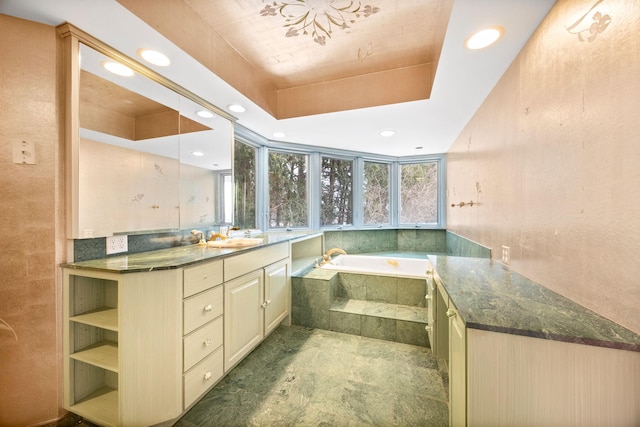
x=491, y=297
x=182, y=256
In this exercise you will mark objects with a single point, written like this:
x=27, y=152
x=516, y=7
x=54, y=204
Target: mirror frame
x=72, y=37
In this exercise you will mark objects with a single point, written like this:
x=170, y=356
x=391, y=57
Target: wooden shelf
x=103, y=355
x=100, y=407
x=105, y=318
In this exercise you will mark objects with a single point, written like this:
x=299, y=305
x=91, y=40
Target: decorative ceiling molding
x=318, y=17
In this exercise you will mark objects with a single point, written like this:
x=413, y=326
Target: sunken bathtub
x=379, y=265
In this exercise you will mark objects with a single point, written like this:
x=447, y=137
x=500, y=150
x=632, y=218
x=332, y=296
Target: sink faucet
x=326, y=258
x=201, y=240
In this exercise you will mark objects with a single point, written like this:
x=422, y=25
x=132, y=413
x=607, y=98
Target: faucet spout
x=326, y=258
x=201, y=240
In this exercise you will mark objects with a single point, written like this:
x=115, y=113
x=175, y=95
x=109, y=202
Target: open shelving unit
x=91, y=348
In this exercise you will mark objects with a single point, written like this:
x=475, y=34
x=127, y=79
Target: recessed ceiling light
x=117, y=68
x=388, y=132
x=279, y=134
x=236, y=108
x=197, y=153
x=205, y=114
x=154, y=57
x=484, y=38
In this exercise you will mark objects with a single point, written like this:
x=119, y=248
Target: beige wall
x=553, y=158
x=30, y=289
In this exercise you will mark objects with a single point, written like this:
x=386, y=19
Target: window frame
x=268, y=201
x=315, y=154
x=441, y=210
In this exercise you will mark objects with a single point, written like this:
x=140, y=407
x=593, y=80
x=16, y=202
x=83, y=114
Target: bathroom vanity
x=520, y=354
x=146, y=335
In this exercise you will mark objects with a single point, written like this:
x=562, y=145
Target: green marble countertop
x=489, y=296
x=181, y=256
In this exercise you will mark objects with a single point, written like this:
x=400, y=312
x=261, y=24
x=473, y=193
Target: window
x=336, y=201
x=244, y=173
x=376, y=193
x=288, y=205
x=419, y=193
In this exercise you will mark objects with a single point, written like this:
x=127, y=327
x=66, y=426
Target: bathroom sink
x=235, y=242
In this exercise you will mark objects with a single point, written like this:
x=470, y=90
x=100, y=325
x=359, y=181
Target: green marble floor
x=313, y=377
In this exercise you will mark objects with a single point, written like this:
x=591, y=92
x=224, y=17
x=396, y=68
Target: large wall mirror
x=144, y=160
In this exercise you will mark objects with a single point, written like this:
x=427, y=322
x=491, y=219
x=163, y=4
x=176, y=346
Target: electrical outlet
x=506, y=255
x=117, y=244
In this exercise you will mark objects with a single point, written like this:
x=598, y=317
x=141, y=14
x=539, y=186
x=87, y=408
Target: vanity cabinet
x=121, y=363
x=140, y=348
x=256, y=299
x=452, y=336
x=502, y=379
x=203, y=309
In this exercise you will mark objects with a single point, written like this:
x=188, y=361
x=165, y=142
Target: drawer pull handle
x=451, y=313
x=428, y=328
x=207, y=342
x=207, y=376
x=263, y=305
x=427, y=297
x=268, y=301
x=208, y=308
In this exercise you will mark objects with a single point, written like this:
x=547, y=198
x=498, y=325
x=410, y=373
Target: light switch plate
x=506, y=255
x=24, y=152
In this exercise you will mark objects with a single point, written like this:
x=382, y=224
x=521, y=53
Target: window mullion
x=357, y=195
x=314, y=190
x=394, y=197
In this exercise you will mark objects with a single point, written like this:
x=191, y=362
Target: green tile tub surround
x=461, y=246
x=392, y=290
x=404, y=240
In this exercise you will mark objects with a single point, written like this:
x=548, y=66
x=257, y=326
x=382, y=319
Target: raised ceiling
x=303, y=57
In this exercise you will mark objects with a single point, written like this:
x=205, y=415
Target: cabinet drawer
x=202, y=342
x=202, y=277
x=238, y=265
x=202, y=308
x=202, y=376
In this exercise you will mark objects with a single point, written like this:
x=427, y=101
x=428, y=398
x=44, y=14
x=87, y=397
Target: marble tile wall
x=461, y=246
x=387, y=240
x=391, y=290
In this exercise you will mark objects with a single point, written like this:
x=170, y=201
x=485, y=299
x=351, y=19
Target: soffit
x=309, y=46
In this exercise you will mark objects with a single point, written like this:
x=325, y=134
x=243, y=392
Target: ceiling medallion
x=318, y=17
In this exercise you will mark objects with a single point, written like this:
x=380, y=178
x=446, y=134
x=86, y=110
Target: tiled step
x=390, y=322
x=380, y=309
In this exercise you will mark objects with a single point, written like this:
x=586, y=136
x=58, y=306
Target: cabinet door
x=276, y=295
x=457, y=369
x=243, y=316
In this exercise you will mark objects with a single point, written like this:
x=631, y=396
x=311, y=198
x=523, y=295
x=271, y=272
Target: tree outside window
x=336, y=204
x=288, y=205
x=244, y=175
x=376, y=193
x=419, y=193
